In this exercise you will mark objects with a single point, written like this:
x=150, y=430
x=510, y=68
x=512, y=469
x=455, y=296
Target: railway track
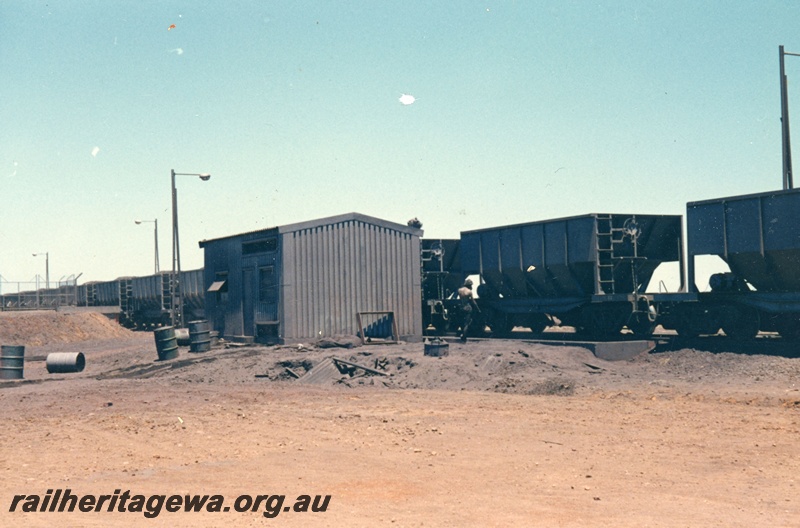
x=765, y=343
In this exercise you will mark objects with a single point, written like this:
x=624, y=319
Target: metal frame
x=395, y=333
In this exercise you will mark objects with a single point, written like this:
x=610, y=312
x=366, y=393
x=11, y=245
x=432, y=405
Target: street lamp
x=46, y=266
x=175, y=286
x=47, y=275
x=139, y=222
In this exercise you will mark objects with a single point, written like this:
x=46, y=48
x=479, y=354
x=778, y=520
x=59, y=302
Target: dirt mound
x=491, y=365
x=44, y=328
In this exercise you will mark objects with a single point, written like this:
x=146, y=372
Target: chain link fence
x=36, y=295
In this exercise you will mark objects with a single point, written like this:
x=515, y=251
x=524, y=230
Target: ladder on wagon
x=604, y=254
x=607, y=240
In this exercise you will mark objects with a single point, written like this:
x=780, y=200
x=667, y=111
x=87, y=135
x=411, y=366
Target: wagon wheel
x=741, y=323
x=538, y=322
x=439, y=323
x=603, y=321
x=500, y=323
x=640, y=324
x=788, y=326
x=687, y=327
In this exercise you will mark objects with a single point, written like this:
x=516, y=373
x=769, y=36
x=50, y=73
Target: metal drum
x=12, y=361
x=166, y=343
x=65, y=362
x=199, y=336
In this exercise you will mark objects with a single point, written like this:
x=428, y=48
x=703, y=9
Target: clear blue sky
x=524, y=111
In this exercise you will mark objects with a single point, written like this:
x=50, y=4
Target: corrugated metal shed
x=306, y=280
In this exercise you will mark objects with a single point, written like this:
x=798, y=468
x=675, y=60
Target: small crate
x=437, y=348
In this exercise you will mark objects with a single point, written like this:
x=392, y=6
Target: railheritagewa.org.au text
x=124, y=501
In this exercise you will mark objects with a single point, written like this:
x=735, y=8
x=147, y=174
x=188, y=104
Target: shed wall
x=224, y=261
x=332, y=272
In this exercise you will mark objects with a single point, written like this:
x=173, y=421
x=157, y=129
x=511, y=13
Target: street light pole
x=46, y=273
x=139, y=222
x=788, y=182
x=46, y=266
x=175, y=285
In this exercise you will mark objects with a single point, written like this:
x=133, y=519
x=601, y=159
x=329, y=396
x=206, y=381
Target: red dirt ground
x=498, y=433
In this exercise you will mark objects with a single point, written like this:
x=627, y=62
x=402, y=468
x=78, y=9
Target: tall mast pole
x=786, y=142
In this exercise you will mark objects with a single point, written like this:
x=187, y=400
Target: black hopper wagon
x=591, y=272
x=758, y=237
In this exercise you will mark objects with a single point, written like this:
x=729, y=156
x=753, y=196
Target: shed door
x=267, y=311
x=249, y=288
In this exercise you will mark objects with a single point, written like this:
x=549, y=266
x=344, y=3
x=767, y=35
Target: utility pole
x=786, y=141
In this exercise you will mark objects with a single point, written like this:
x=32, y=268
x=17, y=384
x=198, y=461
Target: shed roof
x=330, y=220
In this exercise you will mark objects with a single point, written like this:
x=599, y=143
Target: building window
x=220, y=286
x=265, y=245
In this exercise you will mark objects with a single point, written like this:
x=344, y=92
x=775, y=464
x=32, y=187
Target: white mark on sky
x=95, y=151
x=406, y=99
x=178, y=51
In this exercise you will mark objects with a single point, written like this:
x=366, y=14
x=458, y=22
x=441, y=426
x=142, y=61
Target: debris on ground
x=338, y=342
